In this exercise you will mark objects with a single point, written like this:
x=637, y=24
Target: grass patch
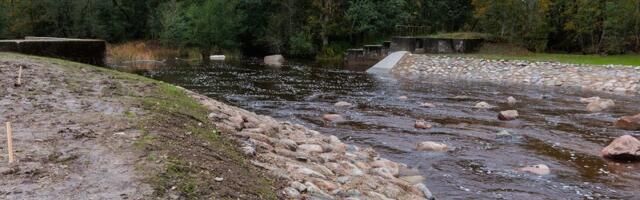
x=632, y=60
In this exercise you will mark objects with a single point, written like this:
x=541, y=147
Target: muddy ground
x=82, y=132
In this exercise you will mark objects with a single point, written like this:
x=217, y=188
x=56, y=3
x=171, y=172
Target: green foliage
x=301, y=44
x=302, y=27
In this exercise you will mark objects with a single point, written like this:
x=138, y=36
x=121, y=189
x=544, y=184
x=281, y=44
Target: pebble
x=218, y=179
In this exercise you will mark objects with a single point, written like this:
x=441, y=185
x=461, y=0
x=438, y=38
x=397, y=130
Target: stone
x=431, y=146
x=483, y=105
x=425, y=191
x=236, y=121
x=413, y=179
x=218, y=179
x=333, y=117
x=343, y=104
x=540, y=169
x=427, y=105
x=291, y=193
x=508, y=115
x=624, y=148
x=600, y=105
x=325, y=185
x=631, y=123
x=403, y=98
x=310, y=148
x=512, y=101
x=503, y=134
x=421, y=124
x=274, y=60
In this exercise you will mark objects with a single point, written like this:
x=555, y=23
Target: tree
x=214, y=25
x=326, y=17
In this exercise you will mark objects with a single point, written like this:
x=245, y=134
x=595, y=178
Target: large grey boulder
x=274, y=60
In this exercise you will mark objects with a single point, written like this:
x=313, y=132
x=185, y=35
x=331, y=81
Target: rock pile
x=315, y=166
x=618, y=79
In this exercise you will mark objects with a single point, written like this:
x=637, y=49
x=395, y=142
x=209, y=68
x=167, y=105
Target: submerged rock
x=403, y=98
x=428, y=105
x=628, y=123
x=589, y=100
x=343, y=104
x=333, y=117
x=484, y=105
x=625, y=148
x=508, y=115
x=421, y=124
x=432, y=146
x=600, y=105
x=540, y=169
x=503, y=134
x=512, y=101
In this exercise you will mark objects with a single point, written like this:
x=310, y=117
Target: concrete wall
x=79, y=50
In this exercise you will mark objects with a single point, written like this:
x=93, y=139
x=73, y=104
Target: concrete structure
x=80, y=50
x=365, y=58
x=387, y=63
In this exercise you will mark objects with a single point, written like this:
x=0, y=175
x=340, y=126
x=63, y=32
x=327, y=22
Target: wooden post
x=19, y=83
x=10, y=143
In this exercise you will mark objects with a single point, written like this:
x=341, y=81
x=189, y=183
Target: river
x=554, y=128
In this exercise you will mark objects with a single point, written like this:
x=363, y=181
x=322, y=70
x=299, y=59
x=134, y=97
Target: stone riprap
x=315, y=165
x=612, y=79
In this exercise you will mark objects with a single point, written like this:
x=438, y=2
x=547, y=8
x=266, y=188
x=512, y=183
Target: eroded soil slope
x=82, y=132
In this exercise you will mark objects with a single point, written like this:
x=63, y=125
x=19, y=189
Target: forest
x=329, y=27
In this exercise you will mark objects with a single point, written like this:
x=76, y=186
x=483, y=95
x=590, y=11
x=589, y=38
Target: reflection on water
x=554, y=128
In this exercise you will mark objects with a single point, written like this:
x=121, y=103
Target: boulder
x=274, y=60
x=343, y=104
x=625, y=148
x=600, y=105
x=540, y=169
x=421, y=124
x=484, y=105
x=631, y=123
x=333, y=117
x=431, y=146
x=508, y=115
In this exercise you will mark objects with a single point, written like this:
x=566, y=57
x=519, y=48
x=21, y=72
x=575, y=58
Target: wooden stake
x=10, y=143
x=19, y=83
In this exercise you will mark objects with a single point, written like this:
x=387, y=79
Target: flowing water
x=554, y=128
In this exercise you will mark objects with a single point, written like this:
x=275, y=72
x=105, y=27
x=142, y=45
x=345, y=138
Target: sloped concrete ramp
x=386, y=64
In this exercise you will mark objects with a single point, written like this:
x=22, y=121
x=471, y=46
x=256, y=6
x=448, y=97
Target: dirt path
x=82, y=132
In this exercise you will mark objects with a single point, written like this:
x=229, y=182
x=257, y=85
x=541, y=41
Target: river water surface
x=554, y=128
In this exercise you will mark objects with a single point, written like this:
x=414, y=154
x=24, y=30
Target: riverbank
x=611, y=79
x=84, y=132
x=114, y=135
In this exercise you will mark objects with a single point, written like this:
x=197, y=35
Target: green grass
x=633, y=60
